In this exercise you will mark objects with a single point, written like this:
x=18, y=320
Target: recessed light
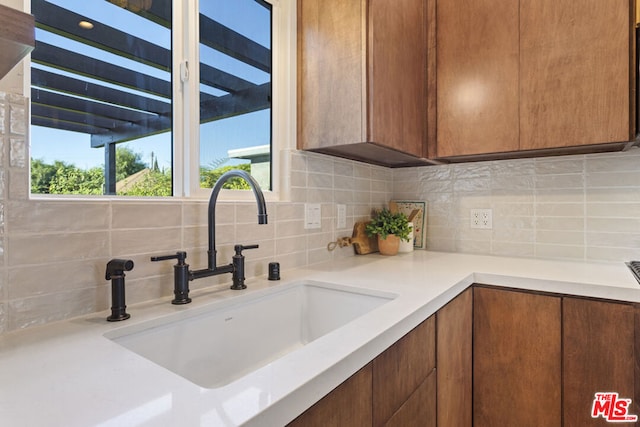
x=85, y=24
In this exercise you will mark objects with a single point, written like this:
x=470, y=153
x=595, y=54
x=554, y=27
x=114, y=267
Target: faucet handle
x=240, y=248
x=180, y=276
x=180, y=256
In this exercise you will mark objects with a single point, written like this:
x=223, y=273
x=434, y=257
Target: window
x=235, y=89
x=111, y=110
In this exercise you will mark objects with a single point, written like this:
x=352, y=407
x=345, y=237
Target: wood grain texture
x=517, y=359
x=362, y=79
x=574, y=70
x=400, y=369
x=454, y=361
x=598, y=356
x=331, y=87
x=17, y=37
x=432, y=81
x=477, y=77
x=397, y=74
x=420, y=408
x=349, y=404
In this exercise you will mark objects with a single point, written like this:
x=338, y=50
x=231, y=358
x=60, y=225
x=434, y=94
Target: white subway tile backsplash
x=560, y=223
x=560, y=237
x=608, y=195
x=17, y=153
x=564, y=195
x=613, y=210
x=140, y=241
x=630, y=162
x=550, y=251
x=18, y=119
x=55, y=216
x=3, y=117
x=556, y=182
x=128, y=215
x=565, y=165
x=614, y=179
x=513, y=249
x=565, y=207
x=560, y=209
x=595, y=253
x=614, y=240
x=50, y=248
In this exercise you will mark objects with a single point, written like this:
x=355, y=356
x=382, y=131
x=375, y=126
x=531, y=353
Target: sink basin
x=214, y=345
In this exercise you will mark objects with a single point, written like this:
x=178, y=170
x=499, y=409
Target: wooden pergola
x=111, y=113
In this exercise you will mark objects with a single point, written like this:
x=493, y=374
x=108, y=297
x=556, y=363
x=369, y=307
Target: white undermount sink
x=214, y=345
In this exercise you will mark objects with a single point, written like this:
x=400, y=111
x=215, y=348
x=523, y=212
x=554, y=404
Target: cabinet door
x=400, y=369
x=331, y=86
x=575, y=72
x=420, y=408
x=454, y=361
x=349, y=404
x=517, y=359
x=598, y=356
x=477, y=77
x=397, y=62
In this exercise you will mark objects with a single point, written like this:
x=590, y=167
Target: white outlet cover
x=341, y=221
x=312, y=216
x=481, y=218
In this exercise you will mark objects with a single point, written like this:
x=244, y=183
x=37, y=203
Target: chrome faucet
x=236, y=268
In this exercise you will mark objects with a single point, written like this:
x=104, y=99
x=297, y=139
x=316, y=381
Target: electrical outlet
x=341, y=221
x=482, y=218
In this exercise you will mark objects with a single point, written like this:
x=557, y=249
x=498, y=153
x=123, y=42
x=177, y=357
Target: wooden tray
x=363, y=244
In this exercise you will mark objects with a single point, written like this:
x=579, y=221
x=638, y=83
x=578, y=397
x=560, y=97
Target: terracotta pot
x=390, y=245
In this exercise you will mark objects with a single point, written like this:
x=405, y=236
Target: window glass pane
x=101, y=97
x=235, y=90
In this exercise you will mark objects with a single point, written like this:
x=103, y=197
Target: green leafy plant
x=386, y=222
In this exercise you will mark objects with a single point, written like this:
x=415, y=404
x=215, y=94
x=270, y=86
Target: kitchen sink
x=216, y=344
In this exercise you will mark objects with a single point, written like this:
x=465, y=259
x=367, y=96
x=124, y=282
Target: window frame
x=186, y=121
x=186, y=179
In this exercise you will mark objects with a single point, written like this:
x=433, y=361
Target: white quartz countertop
x=68, y=373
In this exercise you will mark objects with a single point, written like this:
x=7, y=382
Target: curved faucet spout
x=262, y=207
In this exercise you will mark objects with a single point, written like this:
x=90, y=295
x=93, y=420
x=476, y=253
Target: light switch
x=312, y=216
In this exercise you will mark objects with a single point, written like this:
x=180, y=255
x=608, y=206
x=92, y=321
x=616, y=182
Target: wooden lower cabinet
x=598, y=356
x=454, y=361
x=349, y=404
x=420, y=408
x=496, y=357
x=398, y=388
x=517, y=364
x=400, y=370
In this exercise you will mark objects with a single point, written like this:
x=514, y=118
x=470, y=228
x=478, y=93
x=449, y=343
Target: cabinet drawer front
x=400, y=369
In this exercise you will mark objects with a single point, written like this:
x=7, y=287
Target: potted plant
x=390, y=227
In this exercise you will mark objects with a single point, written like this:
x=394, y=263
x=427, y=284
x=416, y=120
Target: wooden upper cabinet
x=362, y=79
x=17, y=37
x=477, y=77
x=575, y=82
x=516, y=76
